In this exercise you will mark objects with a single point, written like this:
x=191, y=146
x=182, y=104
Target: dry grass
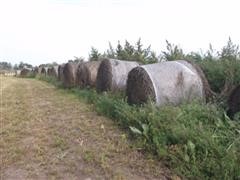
x=48, y=134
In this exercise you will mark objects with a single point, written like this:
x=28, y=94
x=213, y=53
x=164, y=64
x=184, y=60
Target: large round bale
x=60, y=72
x=234, y=102
x=17, y=72
x=209, y=94
x=25, y=72
x=44, y=70
x=40, y=69
x=69, y=74
x=53, y=71
x=35, y=70
x=87, y=74
x=169, y=82
x=112, y=74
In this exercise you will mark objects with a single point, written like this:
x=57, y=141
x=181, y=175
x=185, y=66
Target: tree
x=110, y=52
x=173, y=52
x=5, y=66
x=230, y=51
x=23, y=65
x=131, y=52
x=94, y=54
x=78, y=59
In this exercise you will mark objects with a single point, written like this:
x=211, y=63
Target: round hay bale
x=39, y=69
x=60, y=72
x=35, y=70
x=169, y=82
x=69, y=74
x=209, y=94
x=87, y=74
x=17, y=72
x=233, y=102
x=25, y=72
x=53, y=71
x=44, y=71
x=112, y=74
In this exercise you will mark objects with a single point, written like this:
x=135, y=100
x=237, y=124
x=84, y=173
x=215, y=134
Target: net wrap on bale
x=69, y=74
x=87, y=74
x=112, y=74
x=169, y=82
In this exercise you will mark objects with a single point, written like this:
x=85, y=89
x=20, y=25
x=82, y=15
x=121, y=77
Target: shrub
x=196, y=140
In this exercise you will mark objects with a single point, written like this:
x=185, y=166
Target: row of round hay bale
x=233, y=102
x=60, y=72
x=25, y=72
x=87, y=74
x=112, y=74
x=170, y=82
x=53, y=71
x=69, y=74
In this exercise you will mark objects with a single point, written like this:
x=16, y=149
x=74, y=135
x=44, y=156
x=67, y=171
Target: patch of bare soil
x=49, y=134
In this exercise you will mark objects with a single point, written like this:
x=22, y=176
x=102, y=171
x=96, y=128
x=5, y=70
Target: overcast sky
x=41, y=31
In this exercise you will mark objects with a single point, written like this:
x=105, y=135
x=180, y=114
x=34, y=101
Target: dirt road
x=47, y=133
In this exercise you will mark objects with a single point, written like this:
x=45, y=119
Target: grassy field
x=195, y=140
x=47, y=133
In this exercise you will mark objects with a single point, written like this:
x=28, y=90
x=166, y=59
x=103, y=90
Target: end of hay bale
x=44, y=71
x=24, y=72
x=52, y=71
x=83, y=75
x=233, y=102
x=35, y=71
x=87, y=74
x=60, y=72
x=140, y=88
x=104, y=76
x=69, y=75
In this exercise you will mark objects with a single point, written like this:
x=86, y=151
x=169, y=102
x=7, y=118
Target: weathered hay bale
x=209, y=94
x=53, y=71
x=112, y=74
x=69, y=74
x=35, y=70
x=169, y=82
x=87, y=74
x=40, y=69
x=60, y=72
x=17, y=72
x=233, y=102
x=44, y=71
x=25, y=72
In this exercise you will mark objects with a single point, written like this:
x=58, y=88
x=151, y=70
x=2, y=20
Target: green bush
x=197, y=140
x=50, y=79
x=218, y=72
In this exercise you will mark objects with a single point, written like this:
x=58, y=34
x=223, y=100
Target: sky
x=44, y=31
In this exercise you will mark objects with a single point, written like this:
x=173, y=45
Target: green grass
x=196, y=141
